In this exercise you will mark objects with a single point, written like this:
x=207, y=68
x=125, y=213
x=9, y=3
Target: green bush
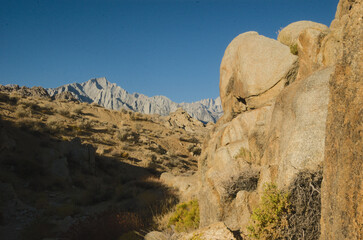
x=269, y=220
x=293, y=49
x=186, y=216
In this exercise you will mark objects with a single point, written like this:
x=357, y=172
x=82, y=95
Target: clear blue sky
x=172, y=48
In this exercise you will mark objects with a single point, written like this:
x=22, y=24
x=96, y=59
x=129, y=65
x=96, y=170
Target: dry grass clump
x=54, y=125
x=294, y=49
x=22, y=112
x=245, y=154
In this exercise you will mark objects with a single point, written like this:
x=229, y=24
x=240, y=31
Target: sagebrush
x=186, y=216
x=269, y=220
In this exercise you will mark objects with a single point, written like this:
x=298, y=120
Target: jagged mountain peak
x=109, y=95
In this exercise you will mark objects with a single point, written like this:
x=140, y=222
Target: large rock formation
x=274, y=127
x=253, y=71
x=111, y=96
x=342, y=191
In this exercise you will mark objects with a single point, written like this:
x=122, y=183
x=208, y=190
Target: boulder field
x=289, y=115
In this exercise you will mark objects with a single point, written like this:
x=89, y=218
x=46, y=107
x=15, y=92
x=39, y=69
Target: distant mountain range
x=109, y=95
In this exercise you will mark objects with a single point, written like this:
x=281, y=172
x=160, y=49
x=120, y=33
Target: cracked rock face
x=342, y=188
x=253, y=71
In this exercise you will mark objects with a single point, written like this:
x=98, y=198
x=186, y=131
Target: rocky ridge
x=111, y=96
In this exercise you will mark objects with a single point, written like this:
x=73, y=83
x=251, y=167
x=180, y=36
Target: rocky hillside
x=292, y=116
x=64, y=164
x=111, y=96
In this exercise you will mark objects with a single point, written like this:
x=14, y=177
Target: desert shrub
x=47, y=109
x=64, y=113
x=126, y=134
x=85, y=125
x=186, y=216
x=22, y=112
x=55, y=126
x=194, y=149
x=157, y=149
x=269, y=220
x=40, y=228
x=305, y=198
x=31, y=105
x=109, y=225
x=246, y=181
x=293, y=49
x=124, y=155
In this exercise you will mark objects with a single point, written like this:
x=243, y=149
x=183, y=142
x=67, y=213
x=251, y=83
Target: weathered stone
x=290, y=34
x=342, y=188
x=241, y=74
x=297, y=129
x=154, y=235
x=309, y=47
x=216, y=231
